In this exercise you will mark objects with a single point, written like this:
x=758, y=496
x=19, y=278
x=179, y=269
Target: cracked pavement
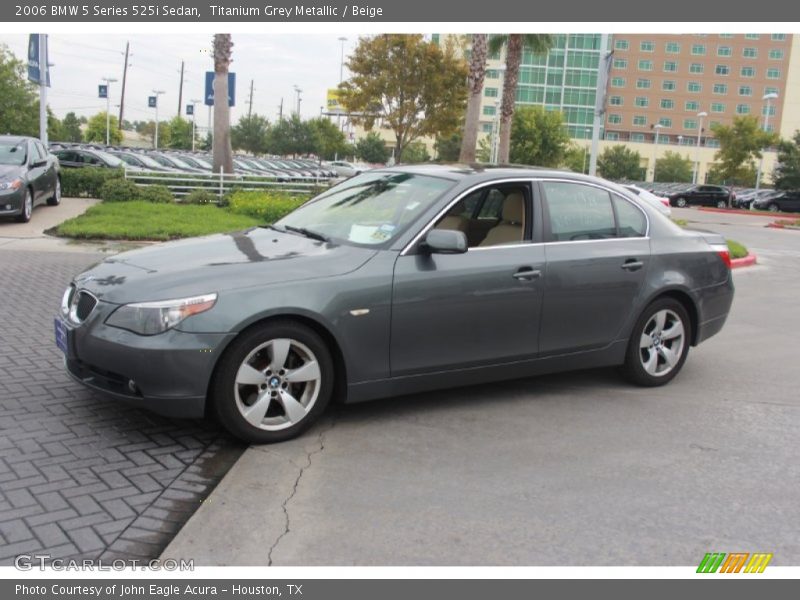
x=571, y=469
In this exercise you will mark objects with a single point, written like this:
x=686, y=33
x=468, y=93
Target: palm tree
x=221, y=146
x=514, y=43
x=477, y=72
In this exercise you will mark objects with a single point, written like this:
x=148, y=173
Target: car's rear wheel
x=273, y=382
x=55, y=199
x=27, y=208
x=772, y=207
x=680, y=202
x=659, y=343
x=722, y=204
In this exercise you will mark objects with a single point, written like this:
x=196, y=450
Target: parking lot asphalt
x=82, y=476
x=569, y=469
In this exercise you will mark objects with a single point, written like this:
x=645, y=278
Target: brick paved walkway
x=82, y=475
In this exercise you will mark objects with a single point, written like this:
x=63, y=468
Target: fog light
x=7, y=207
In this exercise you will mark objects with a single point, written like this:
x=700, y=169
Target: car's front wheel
x=659, y=343
x=27, y=207
x=55, y=199
x=273, y=382
x=722, y=204
x=772, y=207
x=680, y=202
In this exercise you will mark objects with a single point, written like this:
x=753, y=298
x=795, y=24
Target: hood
x=10, y=171
x=226, y=261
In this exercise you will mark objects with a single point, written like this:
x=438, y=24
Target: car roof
x=480, y=172
x=16, y=138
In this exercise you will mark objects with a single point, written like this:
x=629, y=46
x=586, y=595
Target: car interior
x=491, y=216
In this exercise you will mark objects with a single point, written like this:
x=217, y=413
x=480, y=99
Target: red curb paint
x=738, y=211
x=745, y=261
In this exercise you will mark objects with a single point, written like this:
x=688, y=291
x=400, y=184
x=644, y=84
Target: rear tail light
x=723, y=252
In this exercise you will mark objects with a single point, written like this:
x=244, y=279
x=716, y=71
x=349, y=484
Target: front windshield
x=369, y=209
x=13, y=153
x=109, y=159
x=131, y=160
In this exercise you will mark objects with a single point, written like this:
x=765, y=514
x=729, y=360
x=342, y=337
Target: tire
x=680, y=202
x=652, y=361
x=27, y=208
x=772, y=207
x=722, y=204
x=256, y=399
x=55, y=200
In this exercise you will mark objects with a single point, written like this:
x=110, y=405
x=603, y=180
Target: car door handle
x=632, y=264
x=527, y=274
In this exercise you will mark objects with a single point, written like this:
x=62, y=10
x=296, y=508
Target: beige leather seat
x=510, y=228
x=454, y=221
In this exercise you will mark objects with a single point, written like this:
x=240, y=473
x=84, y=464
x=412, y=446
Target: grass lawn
x=149, y=221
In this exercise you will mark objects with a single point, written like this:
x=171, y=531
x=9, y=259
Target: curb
x=736, y=211
x=746, y=261
x=782, y=225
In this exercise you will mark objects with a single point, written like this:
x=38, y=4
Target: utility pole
x=280, y=111
x=250, y=102
x=124, y=77
x=44, y=69
x=180, y=91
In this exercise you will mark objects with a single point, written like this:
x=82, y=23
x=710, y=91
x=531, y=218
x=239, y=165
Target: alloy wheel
x=661, y=343
x=680, y=202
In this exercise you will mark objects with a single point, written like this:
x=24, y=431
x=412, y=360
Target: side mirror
x=39, y=163
x=445, y=241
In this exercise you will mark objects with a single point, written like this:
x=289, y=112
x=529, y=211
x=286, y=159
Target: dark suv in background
x=703, y=195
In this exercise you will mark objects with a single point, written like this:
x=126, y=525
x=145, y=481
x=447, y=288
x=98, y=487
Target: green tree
x=484, y=151
x=477, y=73
x=180, y=134
x=372, y=149
x=672, y=167
x=222, y=152
x=619, y=162
x=329, y=141
x=96, y=129
x=576, y=158
x=448, y=148
x=290, y=136
x=147, y=129
x=71, y=129
x=250, y=134
x=415, y=152
x=740, y=144
x=786, y=175
x=514, y=43
x=19, y=113
x=407, y=83
x=538, y=137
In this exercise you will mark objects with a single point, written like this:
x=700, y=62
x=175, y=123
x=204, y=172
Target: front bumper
x=168, y=373
x=11, y=202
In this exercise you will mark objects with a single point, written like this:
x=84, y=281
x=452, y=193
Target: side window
x=630, y=220
x=40, y=148
x=579, y=212
x=34, y=152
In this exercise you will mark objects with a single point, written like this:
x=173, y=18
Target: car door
x=37, y=172
x=68, y=158
x=50, y=175
x=791, y=202
x=597, y=256
x=480, y=307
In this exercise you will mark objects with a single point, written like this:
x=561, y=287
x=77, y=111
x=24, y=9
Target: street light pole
x=697, y=148
x=298, y=91
x=586, y=151
x=495, y=134
x=767, y=98
x=341, y=61
x=109, y=81
x=194, y=121
x=657, y=127
x=155, y=137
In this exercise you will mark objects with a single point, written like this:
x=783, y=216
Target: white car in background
x=344, y=168
x=660, y=203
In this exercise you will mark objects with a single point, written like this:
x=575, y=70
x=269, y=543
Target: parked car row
x=177, y=161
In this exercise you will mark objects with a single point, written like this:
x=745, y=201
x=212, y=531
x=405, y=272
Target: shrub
x=120, y=190
x=736, y=249
x=156, y=193
x=267, y=207
x=87, y=181
x=199, y=197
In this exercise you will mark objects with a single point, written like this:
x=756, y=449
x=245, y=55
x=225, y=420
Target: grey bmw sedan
x=396, y=281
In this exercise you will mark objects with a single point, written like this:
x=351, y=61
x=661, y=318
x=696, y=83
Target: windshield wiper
x=314, y=235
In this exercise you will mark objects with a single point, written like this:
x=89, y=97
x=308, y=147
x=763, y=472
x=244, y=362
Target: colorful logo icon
x=735, y=562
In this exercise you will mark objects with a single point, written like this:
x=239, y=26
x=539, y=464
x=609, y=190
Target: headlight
x=150, y=318
x=14, y=184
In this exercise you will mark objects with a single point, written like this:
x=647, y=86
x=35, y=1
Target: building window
x=773, y=73
x=645, y=65
x=615, y=119
x=694, y=86
x=720, y=89
x=770, y=90
x=667, y=103
x=615, y=100
x=722, y=70
x=778, y=37
x=689, y=124
x=621, y=63
x=639, y=120
x=492, y=74
x=665, y=122
x=692, y=105
x=696, y=68
x=612, y=136
x=698, y=50
x=751, y=36
x=617, y=82
x=621, y=45
x=717, y=107
x=673, y=48
x=642, y=84
x=490, y=92
x=642, y=101
x=742, y=109
x=712, y=143
x=724, y=51
x=776, y=54
x=487, y=127
x=726, y=36
x=770, y=110
x=647, y=46
x=668, y=85
x=750, y=52
x=637, y=137
x=489, y=111
x=748, y=72
x=670, y=66
x=745, y=90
